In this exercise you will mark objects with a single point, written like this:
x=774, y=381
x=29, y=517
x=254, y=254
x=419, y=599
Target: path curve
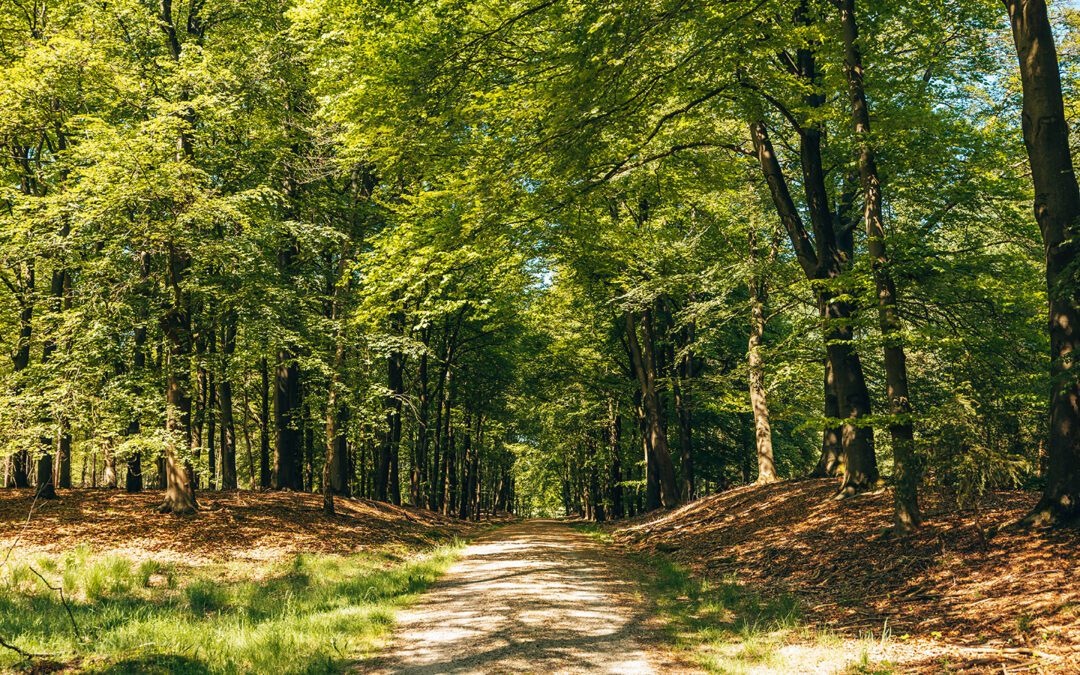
x=532, y=597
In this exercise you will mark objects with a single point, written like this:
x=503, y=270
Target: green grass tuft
x=311, y=614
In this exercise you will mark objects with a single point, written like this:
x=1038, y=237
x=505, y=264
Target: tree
x=1057, y=211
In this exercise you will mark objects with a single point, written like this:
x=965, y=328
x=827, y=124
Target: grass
x=726, y=627
x=312, y=614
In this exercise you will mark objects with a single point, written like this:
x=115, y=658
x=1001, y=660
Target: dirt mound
x=961, y=586
x=232, y=525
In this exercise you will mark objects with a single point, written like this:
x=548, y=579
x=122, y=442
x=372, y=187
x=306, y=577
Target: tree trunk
x=180, y=486
x=1057, y=210
x=340, y=468
x=264, y=427
x=680, y=384
x=821, y=259
x=288, y=445
x=643, y=356
x=756, y=371
x=614, y=438
x=831, y=463
x=906, y=502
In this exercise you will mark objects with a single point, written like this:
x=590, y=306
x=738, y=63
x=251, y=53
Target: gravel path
x=533, y=597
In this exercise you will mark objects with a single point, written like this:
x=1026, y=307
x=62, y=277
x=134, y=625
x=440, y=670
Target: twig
x=21, y=652
x=60, y=589
x=26, y=524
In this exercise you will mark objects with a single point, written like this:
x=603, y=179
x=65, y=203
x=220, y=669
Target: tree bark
x=821, y=260
x=614, y=441
x=756, y=371
x=644, y=360
x=264, y=427
x=1057, y=211
x=180, y=486
x=906, y=514
x=225, y=404
x=288, y=445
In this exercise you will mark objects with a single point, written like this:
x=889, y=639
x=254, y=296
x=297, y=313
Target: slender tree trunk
x=643, y=357
x=225, y=403
x=288, y=446
x=614, y=443
x=906, y=503
x=1057, y=210
x=180, y=486
x=681, y=383
x=831, y=462
x=756, y=370
x=264, y=427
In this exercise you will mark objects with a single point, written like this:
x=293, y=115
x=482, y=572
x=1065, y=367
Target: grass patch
x=726, y=627
x=311, y=614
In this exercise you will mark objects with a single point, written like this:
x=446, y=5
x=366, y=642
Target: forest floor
x=233, y=526
x=533, y=597
x=255, y=582
x=965, y=594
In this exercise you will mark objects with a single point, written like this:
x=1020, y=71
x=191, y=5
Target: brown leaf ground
x=959, y=596
x=230, y=526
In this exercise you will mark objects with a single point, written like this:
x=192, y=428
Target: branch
x=21, y=652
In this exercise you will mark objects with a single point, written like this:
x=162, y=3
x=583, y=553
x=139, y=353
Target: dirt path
x=534, y=597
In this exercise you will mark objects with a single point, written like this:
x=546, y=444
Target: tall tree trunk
x=288, y=445
x=831, y=462
x=225, y=403
x=756, y=370
x=45, y=476
x=333, y=431
x=681, y=382
x=643, y=356
x=418, y=478
x=825, y=263
x=614, y=442
x=906, y=503
x=1057, y=210
x=180, y=484
x=264, y=427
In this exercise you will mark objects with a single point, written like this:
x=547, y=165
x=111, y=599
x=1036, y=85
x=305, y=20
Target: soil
x=533, y=597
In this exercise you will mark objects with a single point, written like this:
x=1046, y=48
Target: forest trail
x=534, y=597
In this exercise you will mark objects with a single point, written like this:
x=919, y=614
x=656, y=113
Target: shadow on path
x=533, y=597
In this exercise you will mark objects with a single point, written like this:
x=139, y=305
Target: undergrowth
x=314, y=613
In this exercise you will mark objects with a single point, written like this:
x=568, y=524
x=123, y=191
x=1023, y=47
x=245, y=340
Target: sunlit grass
x=314, y=613
x=726, y=627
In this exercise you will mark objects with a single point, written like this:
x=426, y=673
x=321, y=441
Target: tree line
x=600, y=258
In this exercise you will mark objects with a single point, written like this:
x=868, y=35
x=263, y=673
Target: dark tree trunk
x=614, y=442
x=340, y=468
x=906, y=503
x=830, y=464
x=225, y=405
x=288, y=445
x=643, y=356
x=264, y=427
x=825, y=262
x=681, y=383
x=180, y=486
x=133, y=480
x=1057, y=210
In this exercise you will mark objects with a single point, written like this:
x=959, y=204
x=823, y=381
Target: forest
x=487, y=260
